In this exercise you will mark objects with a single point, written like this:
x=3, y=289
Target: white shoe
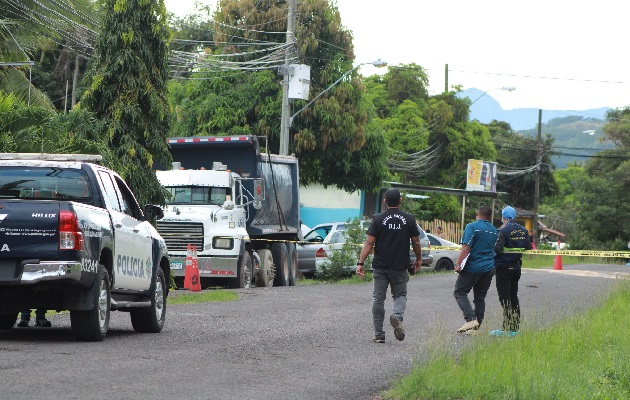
x=474, y=324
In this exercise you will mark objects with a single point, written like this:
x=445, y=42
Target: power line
x=536, y=77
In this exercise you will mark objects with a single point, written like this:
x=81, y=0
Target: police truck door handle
x=118, y=226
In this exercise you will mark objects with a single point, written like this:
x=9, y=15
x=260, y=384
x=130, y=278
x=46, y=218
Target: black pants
x=479, y=283
x=507, y=288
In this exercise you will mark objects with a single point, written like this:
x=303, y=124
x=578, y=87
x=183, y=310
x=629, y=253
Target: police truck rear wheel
x=151, y=319
x=92, y=325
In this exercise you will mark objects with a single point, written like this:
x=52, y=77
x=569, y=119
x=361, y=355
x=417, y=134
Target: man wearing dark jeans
x=475, y=266
x=508, y=266
x=40, y=318
x=389, y=234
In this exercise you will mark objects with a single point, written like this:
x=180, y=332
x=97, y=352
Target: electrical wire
x=535, y=77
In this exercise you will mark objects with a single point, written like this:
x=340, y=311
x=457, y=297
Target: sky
x=559, y=55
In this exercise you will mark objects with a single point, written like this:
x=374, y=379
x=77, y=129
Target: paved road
x=305, y=342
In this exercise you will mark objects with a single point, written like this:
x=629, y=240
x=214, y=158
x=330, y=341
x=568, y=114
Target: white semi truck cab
x=243, y=224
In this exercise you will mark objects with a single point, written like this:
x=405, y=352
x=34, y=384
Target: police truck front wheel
x=151, y=319
x=92, y=325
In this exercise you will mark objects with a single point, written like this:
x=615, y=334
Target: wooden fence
x=451, y=231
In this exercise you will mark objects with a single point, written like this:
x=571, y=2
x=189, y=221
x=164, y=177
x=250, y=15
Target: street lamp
x=288, y=120
x=508, y=88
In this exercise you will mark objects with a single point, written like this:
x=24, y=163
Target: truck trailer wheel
x=151, y=319
x=281, y=260
x=92, y=325
x=293, y=264
x=267, y=272
x=7, y=321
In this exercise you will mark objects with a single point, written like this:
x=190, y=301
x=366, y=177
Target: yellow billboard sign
x=481, y=176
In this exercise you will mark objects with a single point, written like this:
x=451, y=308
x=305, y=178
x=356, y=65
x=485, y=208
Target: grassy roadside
x=206, y=296
x=546, y=261
x=583, y=357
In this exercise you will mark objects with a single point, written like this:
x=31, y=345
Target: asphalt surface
x=304, y=342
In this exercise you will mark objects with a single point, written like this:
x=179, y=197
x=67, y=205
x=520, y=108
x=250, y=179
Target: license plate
x=177, y=265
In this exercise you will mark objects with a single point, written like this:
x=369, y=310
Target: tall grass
x=584, y=357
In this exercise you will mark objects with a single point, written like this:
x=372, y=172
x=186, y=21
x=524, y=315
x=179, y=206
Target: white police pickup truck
x=72, y=237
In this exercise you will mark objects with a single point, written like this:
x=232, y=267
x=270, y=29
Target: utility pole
x=445, y=78
x=537, y=187
x=285, y=124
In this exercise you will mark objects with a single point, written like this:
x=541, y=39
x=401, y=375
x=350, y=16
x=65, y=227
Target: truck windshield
x=197, y=195
x=44, y=183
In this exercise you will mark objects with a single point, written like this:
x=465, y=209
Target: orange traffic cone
x=189, y=269
x=557, y=262
x=195, y=280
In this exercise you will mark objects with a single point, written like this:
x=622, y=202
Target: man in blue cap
x=512, y=235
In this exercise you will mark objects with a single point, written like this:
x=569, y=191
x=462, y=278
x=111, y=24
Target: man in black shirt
x=512, y=235
x=389, y=234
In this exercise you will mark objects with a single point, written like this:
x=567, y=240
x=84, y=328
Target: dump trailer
x=238, y=207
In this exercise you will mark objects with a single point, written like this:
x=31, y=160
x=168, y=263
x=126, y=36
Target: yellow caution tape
x=569, y=253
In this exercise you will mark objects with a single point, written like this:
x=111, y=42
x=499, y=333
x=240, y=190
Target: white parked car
x=324, y=238
x=443, y=259
x=313, y=251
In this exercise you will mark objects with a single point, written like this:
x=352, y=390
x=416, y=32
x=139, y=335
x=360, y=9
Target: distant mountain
x=486, y=109
x=578, y=134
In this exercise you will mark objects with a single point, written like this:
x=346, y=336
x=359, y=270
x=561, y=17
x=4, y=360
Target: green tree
x=56, y=36
x=18, y=122
x=430, y=137
x=35, y=129
x=407, y=82
x=328, y=135
x=128, y=91
x=596, y=195
x=516, y=156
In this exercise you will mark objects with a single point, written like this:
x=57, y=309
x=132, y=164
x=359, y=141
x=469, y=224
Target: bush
x=342, y=261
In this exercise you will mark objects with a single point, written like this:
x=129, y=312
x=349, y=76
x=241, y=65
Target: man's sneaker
x=499, y=332
x=473, y=331
x=378, y=339
x=42, y=323
x=399, y=332
x=474, y=324
x=23, y=323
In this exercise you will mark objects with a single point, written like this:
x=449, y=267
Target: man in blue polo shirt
x=475, y=266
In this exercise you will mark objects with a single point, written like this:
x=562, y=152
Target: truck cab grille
x=178, y=235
